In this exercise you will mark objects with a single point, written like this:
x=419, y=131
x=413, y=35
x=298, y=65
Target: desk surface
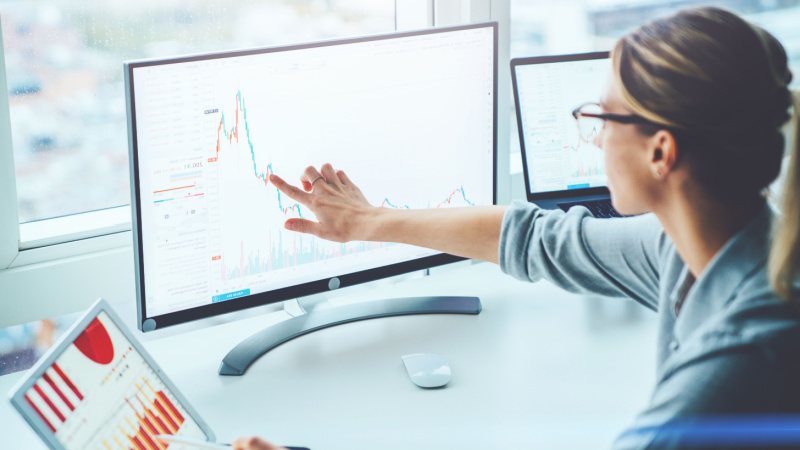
x=538, y=368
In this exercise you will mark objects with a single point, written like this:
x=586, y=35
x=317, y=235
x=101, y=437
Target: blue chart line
x=386, y=202
x=447, y=201
x=234, y=134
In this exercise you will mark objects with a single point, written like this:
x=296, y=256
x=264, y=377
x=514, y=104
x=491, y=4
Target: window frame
x=62, y=265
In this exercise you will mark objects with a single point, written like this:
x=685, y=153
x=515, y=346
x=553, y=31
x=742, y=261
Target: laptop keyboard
x=598, y=208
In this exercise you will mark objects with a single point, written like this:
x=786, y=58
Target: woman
x=692, y=133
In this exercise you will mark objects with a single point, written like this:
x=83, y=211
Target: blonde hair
x=784, y=257
x=721, y=86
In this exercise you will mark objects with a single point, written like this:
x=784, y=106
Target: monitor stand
x=302, y=322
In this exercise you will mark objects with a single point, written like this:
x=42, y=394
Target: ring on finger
x=315, y=180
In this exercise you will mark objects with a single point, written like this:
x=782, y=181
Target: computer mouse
x=427, y=370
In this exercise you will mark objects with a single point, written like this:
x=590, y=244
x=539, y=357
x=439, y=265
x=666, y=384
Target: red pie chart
x=95, y=343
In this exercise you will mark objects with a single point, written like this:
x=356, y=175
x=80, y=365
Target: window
x=65, y=81
x=543, y=27
x=65, y=221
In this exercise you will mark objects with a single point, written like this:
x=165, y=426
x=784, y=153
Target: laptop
x=97, y=388
x=560, y=170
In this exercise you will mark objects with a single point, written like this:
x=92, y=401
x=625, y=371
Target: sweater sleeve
x=579, y=253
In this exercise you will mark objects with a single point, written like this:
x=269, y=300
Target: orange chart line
x=173, y=189
x=166, y=407
x=129, y=438
x=160, y=425
x=148, y=429
x=167, y=424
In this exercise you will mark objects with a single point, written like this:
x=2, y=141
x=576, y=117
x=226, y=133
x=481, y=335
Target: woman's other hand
x=253, y=443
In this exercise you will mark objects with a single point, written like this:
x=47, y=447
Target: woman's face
x=627, y=154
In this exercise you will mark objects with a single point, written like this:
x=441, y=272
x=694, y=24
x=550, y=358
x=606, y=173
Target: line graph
x=448, y=201
x=386, y=203
x=234, y=134
x=275, y=249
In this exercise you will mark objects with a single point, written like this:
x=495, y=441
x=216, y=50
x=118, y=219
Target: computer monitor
x=411, y=117
x=556, y=163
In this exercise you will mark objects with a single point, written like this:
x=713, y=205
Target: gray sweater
x=728, y=355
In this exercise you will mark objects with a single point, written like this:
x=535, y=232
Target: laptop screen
x=101, y=393
x=547, y=91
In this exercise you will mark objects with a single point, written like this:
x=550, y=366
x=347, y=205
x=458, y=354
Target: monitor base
x=240, y=357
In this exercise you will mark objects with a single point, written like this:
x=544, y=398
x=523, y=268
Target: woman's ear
x=663, y=153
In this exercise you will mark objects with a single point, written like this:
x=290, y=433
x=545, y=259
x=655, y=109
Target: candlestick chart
x=252, y=239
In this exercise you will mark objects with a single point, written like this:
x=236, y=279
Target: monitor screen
x=102, y=393
x=547, y=93
x=410, y=117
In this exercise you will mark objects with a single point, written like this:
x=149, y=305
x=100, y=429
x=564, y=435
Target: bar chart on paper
x=101, y=394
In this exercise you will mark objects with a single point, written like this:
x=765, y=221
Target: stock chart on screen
x=398, y=116
x=101, y=394
x=557, y=159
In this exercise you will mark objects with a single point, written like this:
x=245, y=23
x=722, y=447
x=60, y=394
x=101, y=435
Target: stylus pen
x=203, y=444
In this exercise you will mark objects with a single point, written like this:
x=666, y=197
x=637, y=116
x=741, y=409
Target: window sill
x=75, y=227
x=74, y=235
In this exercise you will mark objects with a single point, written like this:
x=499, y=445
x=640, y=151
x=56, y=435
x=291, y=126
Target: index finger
x=292, y=191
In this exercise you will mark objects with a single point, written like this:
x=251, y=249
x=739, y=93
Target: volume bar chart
x=304, y=250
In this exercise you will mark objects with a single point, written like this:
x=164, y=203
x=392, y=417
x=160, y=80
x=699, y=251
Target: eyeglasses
x=591, y=119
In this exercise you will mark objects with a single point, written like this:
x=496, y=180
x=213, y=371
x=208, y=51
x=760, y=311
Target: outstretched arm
x=344, y=214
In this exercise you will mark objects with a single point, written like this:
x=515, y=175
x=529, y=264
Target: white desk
x=538, y=368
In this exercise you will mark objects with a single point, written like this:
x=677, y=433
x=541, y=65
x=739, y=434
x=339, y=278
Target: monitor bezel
x=300, y=290
x=516, y=62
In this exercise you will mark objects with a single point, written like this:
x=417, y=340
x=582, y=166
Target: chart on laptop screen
x=101, y=394
x=548, y=93
x=210, y=133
